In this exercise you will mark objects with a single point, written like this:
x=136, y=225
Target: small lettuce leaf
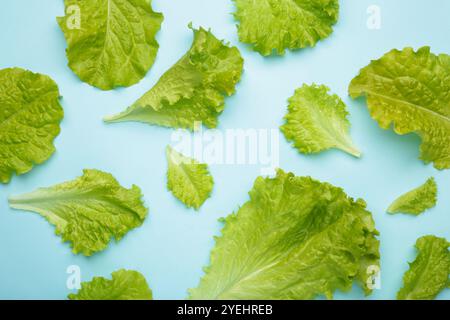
x=124, y=285
x=428, y=274
x=30, y=114
x=411, y=91
x=113, y=42
x=193, y=90
x=189, y=180
x=87, y=211
x=277, y=25
x=317, y=121
x=416, y=201
x=296, y=238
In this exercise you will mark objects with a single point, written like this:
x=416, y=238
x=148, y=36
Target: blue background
x=173, y=245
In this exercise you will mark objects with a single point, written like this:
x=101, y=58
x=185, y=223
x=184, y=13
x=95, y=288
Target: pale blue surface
x=173, y=245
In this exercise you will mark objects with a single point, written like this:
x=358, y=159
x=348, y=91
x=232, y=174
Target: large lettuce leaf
x=411, y=91
x=30, y=114
x=417, y=200
x=317, y=121
x=87, y=211
x=193, y=90
x=428, y=274
x=296, y=238
x=285, y=24
x=114, y=44
x=124, y=285
x=189, y=180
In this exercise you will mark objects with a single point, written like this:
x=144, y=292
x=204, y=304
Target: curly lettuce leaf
x=113, y=44
x=30, y=114
x=193, y=90
x=189, y=180
x=270, y=25
x=296, y=238
x=124, y=285
x=317, y=121
x=411, y=91
x=428, y=274
x=416, y=201
x=87, y=211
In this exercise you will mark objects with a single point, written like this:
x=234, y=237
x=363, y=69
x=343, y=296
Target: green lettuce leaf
x=114, y=43
x=124, y=285
x=296, y=238
x=428, y=274
x=30, y=114
x=193, y=90
x=410, y=91
x=317, y=121
x=87, y=211
x=277, y=25
x=189, y=180
x=416, y=201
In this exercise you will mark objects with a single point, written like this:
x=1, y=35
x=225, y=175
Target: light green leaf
x=193, y=90
x=30, y=114
x=189, y=180
x=428, y=274
x=271, y=25
x=124, y=285
x=87, y=211
x=317, y=121
x=111, y=43
x=296, y=238
x=410, y=91
x=416, y=201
